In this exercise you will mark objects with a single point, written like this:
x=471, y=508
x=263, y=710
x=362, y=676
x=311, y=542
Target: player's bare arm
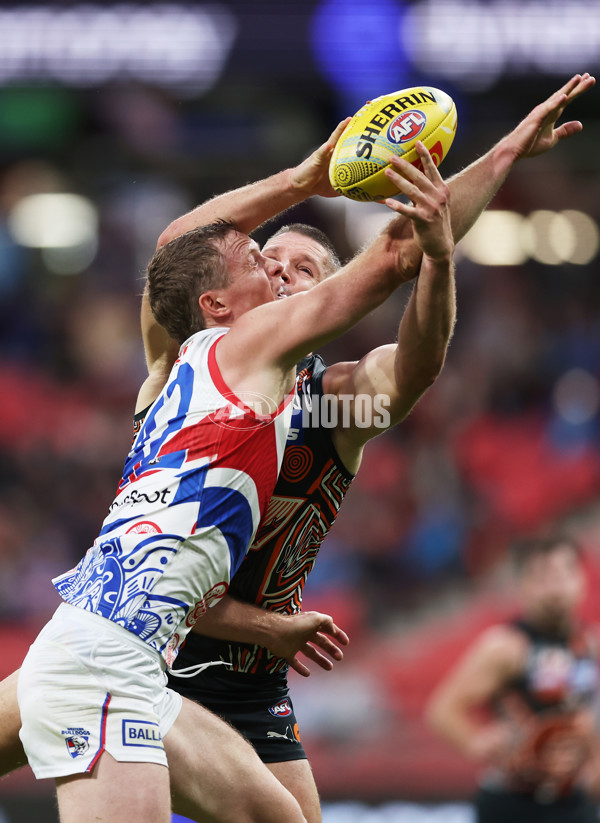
x=246, y=208
x=471, y=190
x=474, y=187
x=12, y=755
x=160, y=351
x=310, y=633
x=496, y=658
x=397, y=375
x=277, y=334
x=252, y=205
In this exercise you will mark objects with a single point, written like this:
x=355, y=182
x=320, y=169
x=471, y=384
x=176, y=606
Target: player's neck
x=553, y=626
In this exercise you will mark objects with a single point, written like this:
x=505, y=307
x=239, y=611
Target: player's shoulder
x=505, y=644
x=585, y=640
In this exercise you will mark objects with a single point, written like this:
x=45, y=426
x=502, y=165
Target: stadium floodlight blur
x=63, y=226
x=505, y=238
x=500, y=237
x=173, y=46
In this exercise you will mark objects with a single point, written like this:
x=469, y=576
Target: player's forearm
x=426, y=326
x=247, y=207
x=474, y=187
x=314, y=318
x=240, y=622
x=537, y=133
x=455, y=725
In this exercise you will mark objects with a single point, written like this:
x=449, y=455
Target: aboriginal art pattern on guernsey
x=308, y=495
x=196, y=482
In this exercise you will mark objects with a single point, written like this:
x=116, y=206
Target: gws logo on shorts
x=141, y=733
x=406, y=126
x=77, y=741
x=281, y=709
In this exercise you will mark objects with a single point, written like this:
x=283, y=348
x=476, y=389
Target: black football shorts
x=258, y=706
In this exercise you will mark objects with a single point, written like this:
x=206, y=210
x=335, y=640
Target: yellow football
x=391, y=124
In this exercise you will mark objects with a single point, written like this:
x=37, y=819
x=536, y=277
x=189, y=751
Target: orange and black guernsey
x=307, y=497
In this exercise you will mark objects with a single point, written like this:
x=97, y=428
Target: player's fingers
x=551, y=110
x=337, y=133
x=412, y=181
x=327, y=646
x=408, y=171
x=315, y=655
x=571, y=84
x=327, y=626
x=568, y=129
x=405, y=186
x=339, y=634
x=429, y=168
x=299, y=667
x=585, y=82
x=398, y=206
x=573, y=88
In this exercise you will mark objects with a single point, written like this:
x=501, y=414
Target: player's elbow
x=433, y=714
x=438, y=713
x=421, y=376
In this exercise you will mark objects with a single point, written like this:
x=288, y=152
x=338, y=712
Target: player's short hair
x=317, y=235
x=182, y=270
x=526, y=550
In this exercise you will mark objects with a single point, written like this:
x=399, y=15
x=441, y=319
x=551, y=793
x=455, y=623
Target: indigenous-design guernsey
x=560, y=678
x=309, y=492
x=561, y=674
x=196, y=482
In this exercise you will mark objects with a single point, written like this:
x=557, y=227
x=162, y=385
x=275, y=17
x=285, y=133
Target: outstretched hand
x=311, y=634
x=429, y=211
x=312, y=175
x=538, y=132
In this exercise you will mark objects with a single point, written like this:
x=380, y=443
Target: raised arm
x=276, y=335
x=474, y=187
x=250, y=206
x=393, y=377
x=247, y=208
x=160, y=351
x=401, y=373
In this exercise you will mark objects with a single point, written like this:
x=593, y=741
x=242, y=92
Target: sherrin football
x=390, y=124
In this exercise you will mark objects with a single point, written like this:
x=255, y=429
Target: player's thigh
x=115, y=792
x=11, y=749
x=217, y=776
x=297, y=777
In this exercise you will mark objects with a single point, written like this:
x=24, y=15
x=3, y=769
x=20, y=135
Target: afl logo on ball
x=281, y=709
x=406, y=126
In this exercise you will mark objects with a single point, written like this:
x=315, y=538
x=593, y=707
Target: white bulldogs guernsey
x=195, y=485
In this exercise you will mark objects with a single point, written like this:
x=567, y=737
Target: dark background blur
x=116, y=118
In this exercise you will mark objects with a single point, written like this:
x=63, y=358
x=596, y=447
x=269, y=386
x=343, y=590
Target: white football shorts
x=86, y=686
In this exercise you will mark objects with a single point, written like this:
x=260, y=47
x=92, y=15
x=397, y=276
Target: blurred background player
x=538, y=678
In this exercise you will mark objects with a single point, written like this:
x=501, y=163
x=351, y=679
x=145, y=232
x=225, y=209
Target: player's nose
x=275, y=268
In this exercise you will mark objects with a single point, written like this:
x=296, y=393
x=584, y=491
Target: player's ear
x=212, y=304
